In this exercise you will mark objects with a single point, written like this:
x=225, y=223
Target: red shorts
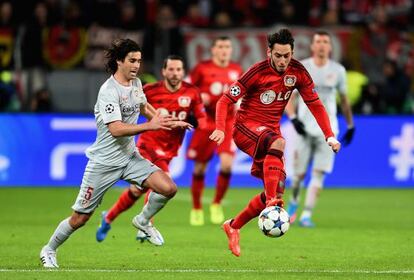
x=202, y=149
x=255, y=139
x=149, y=154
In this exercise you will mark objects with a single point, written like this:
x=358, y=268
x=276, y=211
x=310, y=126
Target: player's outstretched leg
x=48, y=257
x=63, y=231
x=233, y=236
x=163, y=189
x=103, y=228
x=252, y=210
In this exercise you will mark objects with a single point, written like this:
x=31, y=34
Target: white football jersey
x=329, y=80
x=116, y=103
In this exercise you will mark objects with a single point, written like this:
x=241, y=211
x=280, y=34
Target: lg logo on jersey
x=182, y=115
x=269, y=96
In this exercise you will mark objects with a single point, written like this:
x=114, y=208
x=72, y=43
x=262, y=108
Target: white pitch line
x=216, y=271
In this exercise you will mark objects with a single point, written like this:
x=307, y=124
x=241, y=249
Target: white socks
x=155, y=203
x=314, y=187
x=296, y=184
x=62, y=232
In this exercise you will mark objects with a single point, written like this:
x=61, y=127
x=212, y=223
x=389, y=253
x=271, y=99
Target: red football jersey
x=213, y=81
x=265, y=93
x=178, y=104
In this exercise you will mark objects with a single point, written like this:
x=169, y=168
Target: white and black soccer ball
x=274, y=221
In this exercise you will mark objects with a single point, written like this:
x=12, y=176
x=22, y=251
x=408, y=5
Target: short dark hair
x=220, y=38
x=282, y=37
x=322, y=33
x=118, y=50
x=172, y=57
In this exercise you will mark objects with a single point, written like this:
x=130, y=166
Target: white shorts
x=98, y=178
x=312, y=149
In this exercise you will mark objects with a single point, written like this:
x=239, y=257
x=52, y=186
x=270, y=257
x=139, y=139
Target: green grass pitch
x=360, y=234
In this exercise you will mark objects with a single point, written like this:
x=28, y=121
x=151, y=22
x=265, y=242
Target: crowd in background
x=386, y=68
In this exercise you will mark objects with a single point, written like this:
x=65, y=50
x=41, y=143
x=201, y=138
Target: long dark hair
x=118, y=50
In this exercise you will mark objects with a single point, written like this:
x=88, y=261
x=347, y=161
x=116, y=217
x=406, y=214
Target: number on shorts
x=88, y=193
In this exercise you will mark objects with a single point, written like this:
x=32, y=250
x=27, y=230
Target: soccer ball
x=274, y=221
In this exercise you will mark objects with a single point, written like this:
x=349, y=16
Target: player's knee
x=135, y=191
x=199, y=169
x=77, y=220
x=298, y=177
x=169, y=189
x=225, y=167
x=317, y=179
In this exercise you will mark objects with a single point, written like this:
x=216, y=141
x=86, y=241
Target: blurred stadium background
x=51, y=68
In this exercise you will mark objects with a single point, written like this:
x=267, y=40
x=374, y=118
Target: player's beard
x=274, y=66
x=281, y=70
x=174, y=83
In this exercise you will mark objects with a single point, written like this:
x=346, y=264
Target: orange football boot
x=233, y=236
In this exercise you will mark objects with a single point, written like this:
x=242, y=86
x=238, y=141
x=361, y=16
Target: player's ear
x=268, y=52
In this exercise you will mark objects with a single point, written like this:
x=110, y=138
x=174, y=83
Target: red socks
x=222, y=185
x=197, y=187
x=125, y=201
x=273, y=173
x=253, y=209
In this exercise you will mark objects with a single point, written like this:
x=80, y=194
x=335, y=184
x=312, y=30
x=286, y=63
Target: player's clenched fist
x=217, y=136
x=335, y=145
